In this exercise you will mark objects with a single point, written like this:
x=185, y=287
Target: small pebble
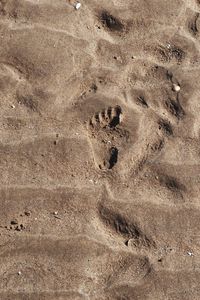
x=55, y=213
x=190, y=253
x=77, y=5
x=12, y=106
x=176, y=87
x=19, y=273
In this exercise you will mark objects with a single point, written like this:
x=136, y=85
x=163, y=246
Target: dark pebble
x=14, y=222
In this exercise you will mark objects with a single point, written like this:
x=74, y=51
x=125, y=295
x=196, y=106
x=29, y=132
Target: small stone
x=190, y=253
x=176, y=87
x=13, y=106
x=19, y=273
x=55, y=213
x=77, y=5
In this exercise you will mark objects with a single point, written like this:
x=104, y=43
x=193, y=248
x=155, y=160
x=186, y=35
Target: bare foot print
x=107, y=136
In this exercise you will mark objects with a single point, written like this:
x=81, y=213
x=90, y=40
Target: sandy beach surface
x=100, y=150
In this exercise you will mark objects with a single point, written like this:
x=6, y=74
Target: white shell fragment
x=77, y=5
x=176, y=87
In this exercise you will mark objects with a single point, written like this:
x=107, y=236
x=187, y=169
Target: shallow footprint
x=107, y=136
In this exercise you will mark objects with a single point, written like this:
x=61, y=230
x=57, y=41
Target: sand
x=99, y=150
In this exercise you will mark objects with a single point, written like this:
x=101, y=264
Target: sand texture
x=100, y=150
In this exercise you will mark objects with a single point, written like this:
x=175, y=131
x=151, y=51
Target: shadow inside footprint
x=113, y=157
x=111, y=22
x=175, y=108
x=165, y=127
x=127, y=229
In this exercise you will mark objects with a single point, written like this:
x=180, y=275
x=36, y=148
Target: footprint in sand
x=107, y=136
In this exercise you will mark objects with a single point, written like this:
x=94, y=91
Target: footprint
x=107, y=136
x=172, y=52
x=31, y=277
x=130, y=270
x=172, y=184
x=175, y=108
x=166, y=127
x=125, y=228
x=14, y=123
x=111, y=22
x=28, y=101
x=192, y=24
